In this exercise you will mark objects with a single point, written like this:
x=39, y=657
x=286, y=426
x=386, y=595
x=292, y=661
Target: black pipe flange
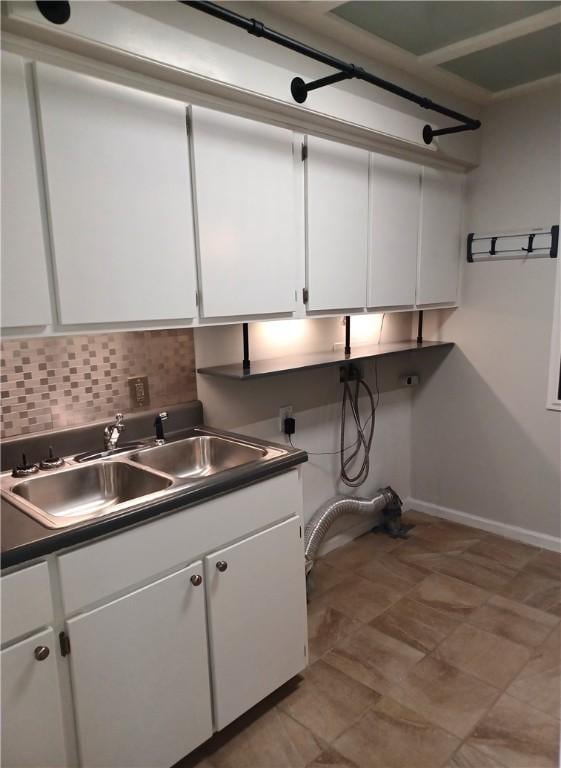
x=54, y=11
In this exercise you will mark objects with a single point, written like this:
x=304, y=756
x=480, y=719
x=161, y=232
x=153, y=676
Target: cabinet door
x=140, y=676
x=117, y=165
x=32, y=729
x=337, y=225
x=394, y=206
x=25, y=291
x=257, y=617
x=246, y=198
x=439, y=252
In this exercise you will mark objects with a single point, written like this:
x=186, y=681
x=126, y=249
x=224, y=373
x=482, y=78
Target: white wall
x=252, y=407
x=483, y=442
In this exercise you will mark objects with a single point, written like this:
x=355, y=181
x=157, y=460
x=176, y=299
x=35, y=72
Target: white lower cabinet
x=32, y=720
x=140, y=675
x=257, y=617
x=162, y=654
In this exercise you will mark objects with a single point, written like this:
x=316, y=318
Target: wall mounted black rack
x=345, y=70
x=538, y=243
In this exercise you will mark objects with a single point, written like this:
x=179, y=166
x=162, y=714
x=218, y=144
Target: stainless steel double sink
x=86, y=489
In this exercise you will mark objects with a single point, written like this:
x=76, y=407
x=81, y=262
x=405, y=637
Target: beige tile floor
x=442, y=650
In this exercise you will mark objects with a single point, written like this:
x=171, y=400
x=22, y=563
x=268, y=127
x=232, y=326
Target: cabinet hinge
x=198, y=298
x=305, y=295
x=64, y=641
x=304, y=152
x=188, y=123
x=305, y=651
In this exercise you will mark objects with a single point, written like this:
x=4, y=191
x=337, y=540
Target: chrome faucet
x=112, y=432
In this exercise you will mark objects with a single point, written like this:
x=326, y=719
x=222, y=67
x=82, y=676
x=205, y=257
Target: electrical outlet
x=139, y=392
x=409, y=380
x=350, y=372
x=284, y=412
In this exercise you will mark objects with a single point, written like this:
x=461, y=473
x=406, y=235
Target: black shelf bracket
x=420, y=327
x=246, y=362
x=344, y=70
x=347, y=335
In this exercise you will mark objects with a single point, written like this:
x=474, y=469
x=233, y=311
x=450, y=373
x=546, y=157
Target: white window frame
x=553, y=402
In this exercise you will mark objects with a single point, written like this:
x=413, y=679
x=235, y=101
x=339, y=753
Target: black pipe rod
x=454, y=129
x=299, y=89
x=258, y=29
x=329, y=80
x=347, y=335
x=246, y=363
x=420, y=327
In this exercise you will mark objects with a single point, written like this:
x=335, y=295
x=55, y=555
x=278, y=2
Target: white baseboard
x=346, y=536
x=535, y=538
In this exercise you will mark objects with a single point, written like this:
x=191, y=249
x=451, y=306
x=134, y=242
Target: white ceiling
x=317, y=16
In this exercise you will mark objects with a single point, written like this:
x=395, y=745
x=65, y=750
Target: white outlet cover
x=285, y=411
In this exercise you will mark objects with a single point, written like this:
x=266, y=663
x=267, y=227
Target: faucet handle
x=158, y=423
x=119, y=421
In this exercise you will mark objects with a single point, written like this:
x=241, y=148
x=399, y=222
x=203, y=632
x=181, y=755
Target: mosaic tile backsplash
x=64, y=381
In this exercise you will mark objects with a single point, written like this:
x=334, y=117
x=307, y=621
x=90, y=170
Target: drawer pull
x=41, y=652
x=222, y=565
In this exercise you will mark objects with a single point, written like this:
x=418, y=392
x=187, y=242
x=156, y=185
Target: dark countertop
x=23, y=538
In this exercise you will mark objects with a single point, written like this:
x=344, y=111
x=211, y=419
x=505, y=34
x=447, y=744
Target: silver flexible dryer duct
x=325, y=516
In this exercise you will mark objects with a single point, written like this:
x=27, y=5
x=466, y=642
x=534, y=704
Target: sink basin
x=199, y=456
x=81, y=493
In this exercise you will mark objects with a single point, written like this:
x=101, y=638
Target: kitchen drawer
x=107, y=567
x=26, y=601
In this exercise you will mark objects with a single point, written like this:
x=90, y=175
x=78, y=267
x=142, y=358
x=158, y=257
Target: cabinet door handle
x=222, y=565
x=196, y=580
x=41, y=652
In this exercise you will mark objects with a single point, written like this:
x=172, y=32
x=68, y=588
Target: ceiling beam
x=523, y=88
x=316, y=17
x=494, y=37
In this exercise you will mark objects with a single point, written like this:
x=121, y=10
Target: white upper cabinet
x=247, y=200
x=25, y=291
x=117, y=167
x=337, y=225
x=440, y=241
x=394, y=232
